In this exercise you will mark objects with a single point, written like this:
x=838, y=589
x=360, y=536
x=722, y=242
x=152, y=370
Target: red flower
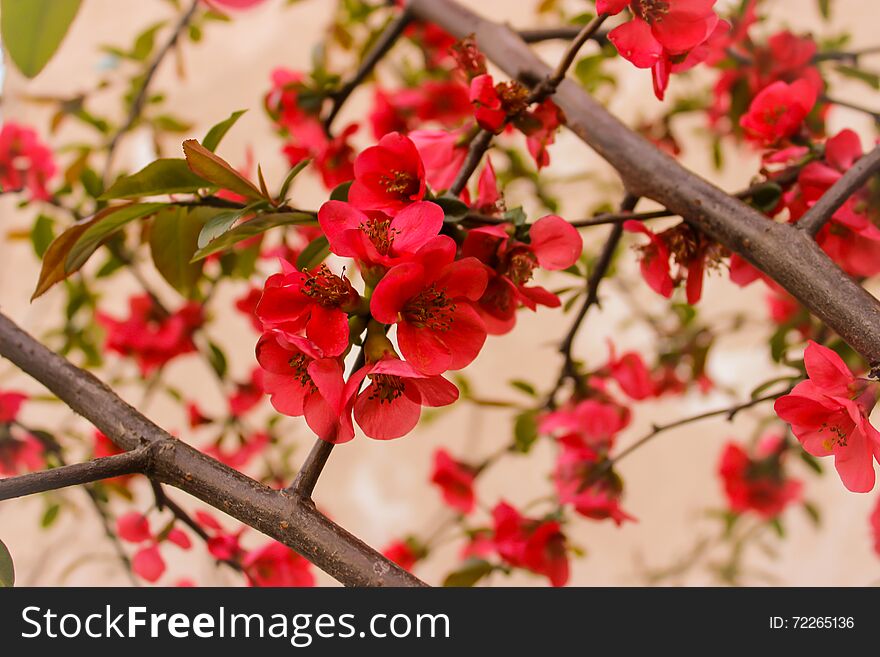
x=687, y=247
x=597, y=421
x=300, y=382
x=456, y=481
x=133, y=527
x=828, y=414
x=488, y=109
x=275, y=564
x=388, y=176
x=443, y=153
x=247, y=306
x=583, y=480
x=554, y=244
x=316, y=301
x=431, y=301
x=149, y=335
x=374, y=238
x=247, y=395
x=778, y=111
x=631, y=374
x=403, y=553
x=540, y=129
x=10, y=405
x=758, y=483
x=390, y=406
x=536, y=545
x=661, y=33
x=443, y=101
x=148, y=563
x=236, y=4
x=25, y=162
x=247, y=448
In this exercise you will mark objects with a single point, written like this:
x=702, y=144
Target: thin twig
x=874, y=114
x=304, y=483
x=383, y=44
x=137, y=105
x=543, y=90
x=75, y=474
x=564, y=33
x=592, y=298
x=729, y=412
x=848, y=184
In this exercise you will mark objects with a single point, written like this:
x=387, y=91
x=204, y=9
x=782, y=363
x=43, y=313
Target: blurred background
x=380, y=491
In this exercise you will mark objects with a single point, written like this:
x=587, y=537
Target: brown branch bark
x=132, y=462
x=821, y=213
x=275, y=513
x=787, y=255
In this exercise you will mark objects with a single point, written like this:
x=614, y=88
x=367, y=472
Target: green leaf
x=164, y=176
x=248, y=229
x=869, y=78
x=293, y=173
x=813, y=513
x=42, y=234
x=217, y=359
x=50, y=516
x=211, y=167
x=217, y=226
x=471, y=571
x=216, y=133
x=766, y=197
x=525, y=431
x=811, y=461
x=7, y=569
x=314, y=254
x=340, y=192
x=825, y=8
x=106, y=225
x=173, y=241
x=32, y=30
x=524, y=386
x=454, y=210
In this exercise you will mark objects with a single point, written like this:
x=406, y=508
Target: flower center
x=300, y=366
x=650, y=11
x=326, y=288
x=514, y=97
x=521, y=266
x=380, y=233
x=431, y=308
x=402, y=184
x=386, y=387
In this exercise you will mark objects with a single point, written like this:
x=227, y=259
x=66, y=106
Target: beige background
x=379, y=490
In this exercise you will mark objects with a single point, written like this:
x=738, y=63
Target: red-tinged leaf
x=52, y=270
x=204, y=163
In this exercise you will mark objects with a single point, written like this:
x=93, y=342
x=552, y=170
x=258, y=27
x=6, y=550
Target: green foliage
x=217, y=170
x=173, y=241
x=216, y=133
x=470, y=572
x=314, y=254
x=7, y=569
x=32, y=30
x=249, y=229
x=164, y=176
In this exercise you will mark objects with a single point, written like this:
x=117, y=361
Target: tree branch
x=848, y=184
x=785, y=254
x=135, y=461
x=383, y=44
x=275, y=513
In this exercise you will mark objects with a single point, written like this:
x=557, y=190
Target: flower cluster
x=147, y=562
x=433, y=294
x=151, y=335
